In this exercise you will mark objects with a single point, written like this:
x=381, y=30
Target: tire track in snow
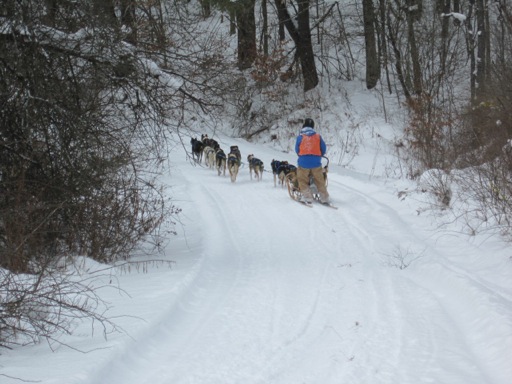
x=265, y=310
x=217, y=275
x=455, y=326
x=376, y=227
x=213, y=314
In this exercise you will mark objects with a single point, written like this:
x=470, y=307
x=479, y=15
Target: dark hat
x=308, y=123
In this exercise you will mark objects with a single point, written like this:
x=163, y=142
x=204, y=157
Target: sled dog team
x=215, y=157
x=310, y=148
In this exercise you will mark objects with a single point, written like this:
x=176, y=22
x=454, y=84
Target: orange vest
x=310, y=145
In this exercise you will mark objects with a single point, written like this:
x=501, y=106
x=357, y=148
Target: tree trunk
x=415, y=58
x=307, y=58
x=104, y=11
x=383, y=42
x=246, y=28
x=471, y=50
x=301, y=36
x=264, y=31
x=481, y=39
x=372, y=57
x=128, y=19
x=206, y=8
x=398, y=56
x=232, y=20
x=51, y=6
x=444, y=7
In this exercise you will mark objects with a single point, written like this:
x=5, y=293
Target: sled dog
x=233, y=166
x=256, y=166
x=197, y=149
x=209, y=157
x=220, y=159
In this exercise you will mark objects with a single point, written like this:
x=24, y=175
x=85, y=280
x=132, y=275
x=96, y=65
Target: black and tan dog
x=256, y=166
x=280, y=169
x=233, y=166
x=221, y=160
x=233, y=162
x=209, y=142
x=275, y=165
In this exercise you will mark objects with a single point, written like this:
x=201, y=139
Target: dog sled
x=292, y=184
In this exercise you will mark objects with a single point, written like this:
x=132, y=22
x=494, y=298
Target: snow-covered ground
x=264, y=290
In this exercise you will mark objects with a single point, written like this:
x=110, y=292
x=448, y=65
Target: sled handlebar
x=326, y=158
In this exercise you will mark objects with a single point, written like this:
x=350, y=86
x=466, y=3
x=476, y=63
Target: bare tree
x=482, y=49
x=478, y=35
x=301, y=35
x=264, y=28
x=128, y=19
x=372, y=57
x=413, y=14
x=246, y=33
x=206, y=8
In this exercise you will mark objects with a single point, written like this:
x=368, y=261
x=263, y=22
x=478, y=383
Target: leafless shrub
x=426, y=133
x=438, y=184
x=486, y=165
x=487, y=191
x=401, y=258
x=37, y=307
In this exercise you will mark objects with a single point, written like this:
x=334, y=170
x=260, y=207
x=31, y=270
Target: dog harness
x=255, y=161
x=286, y=168
x=233, y=159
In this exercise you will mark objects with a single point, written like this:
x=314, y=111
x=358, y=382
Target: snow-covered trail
x=286, y=294
x=266, y=291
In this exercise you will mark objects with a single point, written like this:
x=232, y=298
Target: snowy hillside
x=264, y=290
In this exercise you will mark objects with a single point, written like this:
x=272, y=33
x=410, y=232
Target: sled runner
x=293, y=186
